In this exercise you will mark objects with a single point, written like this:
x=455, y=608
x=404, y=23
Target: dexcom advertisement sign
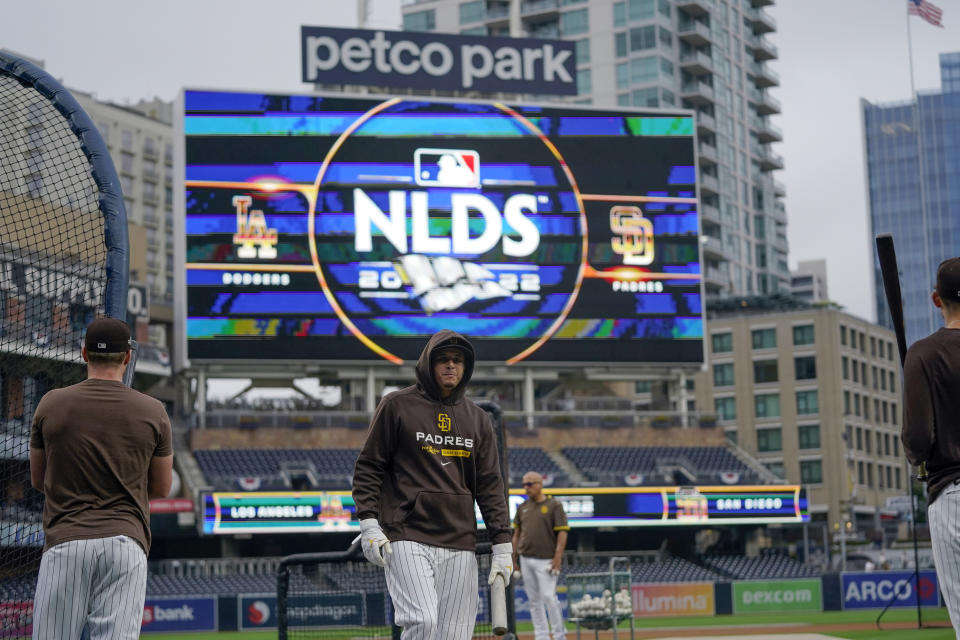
x=876, y=590
x=773, y=596
x=437, y=61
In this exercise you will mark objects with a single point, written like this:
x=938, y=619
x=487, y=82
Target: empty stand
x=659, y=465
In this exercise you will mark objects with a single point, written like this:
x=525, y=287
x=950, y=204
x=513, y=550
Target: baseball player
x=429, y=455
x=99, y=451
x=539, y=538
x=931, y=429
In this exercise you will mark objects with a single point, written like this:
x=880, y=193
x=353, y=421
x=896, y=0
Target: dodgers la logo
x=443, y=422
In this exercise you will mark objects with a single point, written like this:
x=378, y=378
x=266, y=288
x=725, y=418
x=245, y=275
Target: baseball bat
x=891, y=287
x=498, y=606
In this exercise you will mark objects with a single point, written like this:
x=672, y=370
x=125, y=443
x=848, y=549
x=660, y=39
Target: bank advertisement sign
x=179, y=614
x=303, y=610
x=673, y=599
x=350, y=230
x=877, y=589
x=776, y=596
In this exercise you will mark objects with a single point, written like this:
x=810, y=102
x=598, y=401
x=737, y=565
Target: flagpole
x=918, y=132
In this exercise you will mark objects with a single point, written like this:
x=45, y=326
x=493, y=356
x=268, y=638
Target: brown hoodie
x=427, y=459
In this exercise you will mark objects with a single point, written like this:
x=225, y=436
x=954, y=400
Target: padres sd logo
x=543, y=509
x=443, y=422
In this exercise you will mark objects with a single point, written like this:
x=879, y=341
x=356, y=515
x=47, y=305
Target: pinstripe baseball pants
x=98, y=583
x=944, y=520
x=434, y=591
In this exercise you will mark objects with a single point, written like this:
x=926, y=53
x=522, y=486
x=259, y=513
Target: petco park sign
x=437, y=61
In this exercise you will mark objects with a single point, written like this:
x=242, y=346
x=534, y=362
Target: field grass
x=931, y=615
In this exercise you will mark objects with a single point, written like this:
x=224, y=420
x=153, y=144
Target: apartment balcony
x=706, y=123
x=769, y=161
x=767, y=132
x=779, y=212
x=761, y=48
x=150, y=151
x=779, y=189
x=538, y=8
x=697, y=92
x=694, y=7
x=712, y=247
x=763, y=76
x=547, y=31
x=694, y=33
x=709, y=213
x=760, y=21
x=707, y=153
x=762, y=3
x=717, y=277
x=763, y=102
x=709, y=184
x=497, y=14
x=696, y=63
x=151, y=220
x=150, y=197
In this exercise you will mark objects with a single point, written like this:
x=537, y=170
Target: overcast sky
x=832, y=53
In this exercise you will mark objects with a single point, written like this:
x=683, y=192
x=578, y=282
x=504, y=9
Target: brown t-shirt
x=539, y=523
x=98, y=438
x=931, y=407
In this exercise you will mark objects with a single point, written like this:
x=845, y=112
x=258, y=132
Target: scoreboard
x=348, y=229
x=334, y=511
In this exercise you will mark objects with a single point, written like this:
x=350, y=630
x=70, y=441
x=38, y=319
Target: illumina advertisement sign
x=341, y=229
x=334, y=511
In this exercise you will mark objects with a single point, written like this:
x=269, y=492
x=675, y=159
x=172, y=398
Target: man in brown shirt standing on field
x=99, y=451
x=539, y=538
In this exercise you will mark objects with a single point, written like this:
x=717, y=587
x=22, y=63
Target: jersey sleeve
x=918, y=431
x=164, y=436
x=376, y=454
x=559, y=517
x=36, y=425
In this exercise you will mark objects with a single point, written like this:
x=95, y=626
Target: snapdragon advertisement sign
x=776, y=596
x=305, y=610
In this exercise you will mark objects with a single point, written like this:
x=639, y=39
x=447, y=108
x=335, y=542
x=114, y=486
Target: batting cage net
x=339, y=595
x=63, y=243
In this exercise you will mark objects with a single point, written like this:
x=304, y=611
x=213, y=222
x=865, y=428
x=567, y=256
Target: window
x=893, y=412
x=890, y=357
x=722, y=342
x=472, y=11
x=645, y=97
x=869, y=474
x=893, y=386
x=811, y=472
x=769, y=440
x=126, y=140
x=856, y=371
x=583, y=82
x=856, y=404
x=767, y=405
x=643, y=70
x=723, y=375
x=843, y=335
x=848, y=435
x=805, y=368
x=859, y=438
x=666, y=68
x=889, y=473
x=574, y=22
x=861, y=476
x=845, y=367
x=764, y=338
x=623, y=75
x=803, y=334
x=725, y=408
x=873, y=371
x=886, y=414
x=873, y=346
x=896, y=447
x=776, y=468
x=879, y=442
x=642, y=386
x=896, y=475
x=809, y=436
x=666, y=38
x=664, y=7
x=883, y=380
x=619, y=14
x=620, y=47
x=846, y=403
x=807, y=402
x=420, y=21
x=863, y=373
x=668, y=97
x=764, y=371
x=126, y=163
x=642, y=38
x=863, y=342
x=583, y=51
x=867, y=441
x=474, y=31
x=640, y=9
x=732, y=436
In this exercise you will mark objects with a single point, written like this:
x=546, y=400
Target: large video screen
x=334, y=511
x=347, y=229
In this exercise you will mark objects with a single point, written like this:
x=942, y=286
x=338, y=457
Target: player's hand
x=375, y=545
x=555, y=566
x=502, y=562
x=517, y=575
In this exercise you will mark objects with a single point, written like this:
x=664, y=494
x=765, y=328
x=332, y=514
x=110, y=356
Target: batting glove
x=375, y=545
x=502, y=562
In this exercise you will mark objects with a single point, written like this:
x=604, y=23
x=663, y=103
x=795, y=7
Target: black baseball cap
x=455, y=342
x=107, y=335
x=948, y=280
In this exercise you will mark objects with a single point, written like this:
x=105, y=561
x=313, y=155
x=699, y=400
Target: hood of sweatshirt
x=425, y=381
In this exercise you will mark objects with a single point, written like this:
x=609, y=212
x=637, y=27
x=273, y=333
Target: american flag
x=926, y=10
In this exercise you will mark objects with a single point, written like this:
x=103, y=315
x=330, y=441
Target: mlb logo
x=447, y=168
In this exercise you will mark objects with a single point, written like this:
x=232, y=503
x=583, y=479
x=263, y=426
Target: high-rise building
x=809, y=280
x=913, y=169
x=709, y=56
x=814, y=394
